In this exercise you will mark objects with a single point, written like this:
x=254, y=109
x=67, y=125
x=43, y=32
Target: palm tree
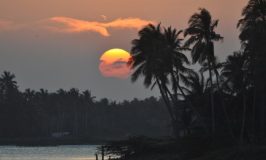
x=179, y=72
x=157, y=56
x=88, y=97
x=29, y=95
x=175, y=60
x=236, y=82
x=195, y=86
x=252, y=34
x=253, y=37
x=252, y=25
x=218, y=88
x=88, y=100
x=202, y=37
x=195, y=89
x=7, y=80
x=8, y=85
x=233, y=74
x=74, y=97
x=147, y=61
x=11, y=101
x=216, y=66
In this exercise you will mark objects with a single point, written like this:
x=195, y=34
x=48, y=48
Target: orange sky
x=42, y=44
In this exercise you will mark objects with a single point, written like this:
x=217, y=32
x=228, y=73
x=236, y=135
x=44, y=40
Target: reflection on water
x=75, y=152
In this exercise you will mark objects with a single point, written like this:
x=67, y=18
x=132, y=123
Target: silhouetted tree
x=157, y=55
x=202, y=37
x=11, y=103
x=253, y=38
x=236, y=77
x=147, y=54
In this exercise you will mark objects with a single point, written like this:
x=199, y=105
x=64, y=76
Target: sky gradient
x=56, y=44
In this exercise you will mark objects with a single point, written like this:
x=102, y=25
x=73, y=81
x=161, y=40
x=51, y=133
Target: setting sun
x=113, y=63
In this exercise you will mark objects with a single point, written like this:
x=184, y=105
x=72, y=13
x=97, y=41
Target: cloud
x=75, y=25
x=119, y=64
x=71, y=25
x=131, y=23
x=117, y=69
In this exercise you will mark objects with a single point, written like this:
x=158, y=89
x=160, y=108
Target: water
x=68, y=152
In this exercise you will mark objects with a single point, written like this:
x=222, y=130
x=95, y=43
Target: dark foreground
x=190, y=148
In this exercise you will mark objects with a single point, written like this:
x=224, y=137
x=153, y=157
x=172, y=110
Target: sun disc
x=113, y=63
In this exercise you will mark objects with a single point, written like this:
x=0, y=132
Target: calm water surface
x=75, y=152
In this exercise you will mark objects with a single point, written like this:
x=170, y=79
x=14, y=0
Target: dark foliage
x=41, y=113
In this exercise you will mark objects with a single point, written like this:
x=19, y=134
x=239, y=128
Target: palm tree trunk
x=166, y=100
x=192, y=107
x=224, y=108
x=243, y=118
x=174, y=98
x=175, y=87
x=168, y=106
x=212, y=100
x=252, y=68
x=254, y=110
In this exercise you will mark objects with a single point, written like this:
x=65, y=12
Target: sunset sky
x=56, y=44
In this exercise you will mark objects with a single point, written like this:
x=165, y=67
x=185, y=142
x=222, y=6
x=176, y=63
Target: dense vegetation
x=78, y=114
x=223, y=102
x=230, y=98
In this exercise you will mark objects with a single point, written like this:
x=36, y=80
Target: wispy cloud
x=72, y=25
x=66, y=24
x=117, y=69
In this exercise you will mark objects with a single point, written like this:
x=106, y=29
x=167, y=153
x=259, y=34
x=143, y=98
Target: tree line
x=221, y=99
x=36, y=114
